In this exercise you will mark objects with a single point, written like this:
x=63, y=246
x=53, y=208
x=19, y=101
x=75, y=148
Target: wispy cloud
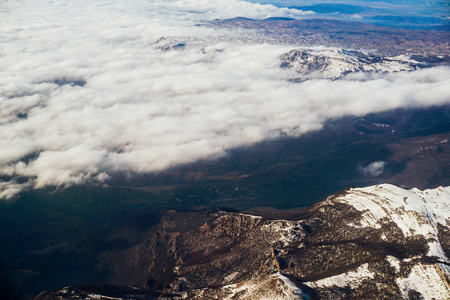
x=374, y=169
x=85, y=93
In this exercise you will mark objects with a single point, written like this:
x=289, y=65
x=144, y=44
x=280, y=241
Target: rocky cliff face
x=379, y=242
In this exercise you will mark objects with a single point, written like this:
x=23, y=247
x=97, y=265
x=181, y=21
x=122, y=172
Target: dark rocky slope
x=382, y=241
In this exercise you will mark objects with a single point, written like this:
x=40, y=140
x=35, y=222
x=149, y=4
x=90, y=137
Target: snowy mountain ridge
x=414, y=211
x=334, y=63
x=314, y=62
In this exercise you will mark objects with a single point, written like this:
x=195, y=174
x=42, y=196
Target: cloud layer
x=85, y=93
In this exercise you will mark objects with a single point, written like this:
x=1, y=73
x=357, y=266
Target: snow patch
x=289, y=283
x=281, y=288
x=427, y=280
x=414, y=211
x=394, y=262
x=251, y=216
x=352, y=278
x=287, y=231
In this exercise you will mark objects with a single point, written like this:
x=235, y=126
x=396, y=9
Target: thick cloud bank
x=84, y=92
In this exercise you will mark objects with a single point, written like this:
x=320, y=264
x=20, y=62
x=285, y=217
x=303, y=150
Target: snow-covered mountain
x=378, y=242
x=333, y=63
x=313, y=63
x=408, y=215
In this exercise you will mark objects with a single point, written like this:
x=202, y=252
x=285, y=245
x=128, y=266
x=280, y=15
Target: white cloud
x=8, y=190
x=356, y=16
x=374, y=169
x=85, y=93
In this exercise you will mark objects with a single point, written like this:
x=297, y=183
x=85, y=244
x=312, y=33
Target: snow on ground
x=351, y=278
x=394, y=262
x=288, y=231
x=428, y=280
x=415, y=212
x=273, y=287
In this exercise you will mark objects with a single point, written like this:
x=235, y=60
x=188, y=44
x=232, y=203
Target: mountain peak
x=335, y=63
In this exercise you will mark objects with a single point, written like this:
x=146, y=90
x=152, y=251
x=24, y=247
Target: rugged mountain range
x=334, y=64
x=329, y=63
x=378, y=242
x=382, y=242
x=346, y=47
x=339, y=34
